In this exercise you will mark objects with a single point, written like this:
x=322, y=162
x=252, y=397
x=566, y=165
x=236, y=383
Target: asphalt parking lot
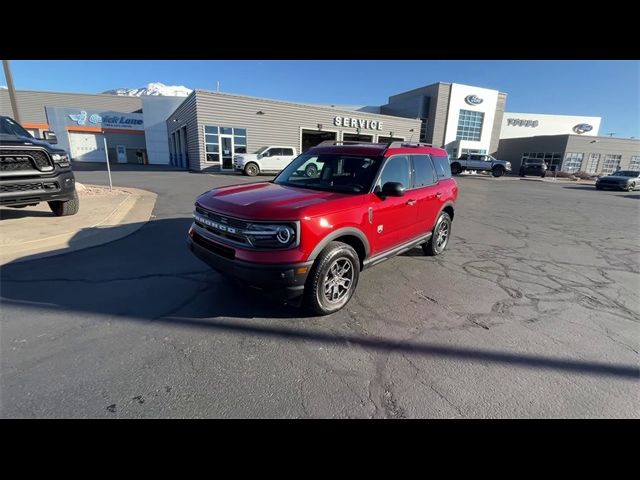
x=532, y=312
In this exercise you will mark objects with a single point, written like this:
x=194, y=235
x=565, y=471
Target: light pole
x=12, y=91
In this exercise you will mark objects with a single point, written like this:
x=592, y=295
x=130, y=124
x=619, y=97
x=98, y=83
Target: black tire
x=544, y=174
x=334, y=258
x=435, y=246
x=598, y=187
x=497, y=171
x=311, y=170
x=252, y=169
x=62, y=209
x=455, y=168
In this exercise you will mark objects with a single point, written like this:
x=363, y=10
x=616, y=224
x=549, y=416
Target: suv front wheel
x=497, y=171
x=333, y=278
x=251, y=169
x=62, y=209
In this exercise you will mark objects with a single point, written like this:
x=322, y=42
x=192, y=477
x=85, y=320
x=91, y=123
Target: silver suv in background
x=481, y=163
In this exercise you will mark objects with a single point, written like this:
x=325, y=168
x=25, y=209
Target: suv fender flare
x=340, y=233
x=447, y=204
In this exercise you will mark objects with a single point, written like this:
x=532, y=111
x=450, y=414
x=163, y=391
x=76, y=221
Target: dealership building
x=203, y=131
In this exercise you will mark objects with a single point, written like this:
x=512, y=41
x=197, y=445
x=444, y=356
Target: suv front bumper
x=285, y=281
x=37, y=189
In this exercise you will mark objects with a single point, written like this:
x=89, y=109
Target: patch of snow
x=153, y=89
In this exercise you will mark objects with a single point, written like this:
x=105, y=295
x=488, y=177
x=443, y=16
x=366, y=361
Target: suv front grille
x=28, y=159
x=23, y=187
x=223, y=220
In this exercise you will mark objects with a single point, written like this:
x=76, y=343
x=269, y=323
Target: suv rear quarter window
x=443, y=168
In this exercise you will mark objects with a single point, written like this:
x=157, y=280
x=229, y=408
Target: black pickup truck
x=33, y=171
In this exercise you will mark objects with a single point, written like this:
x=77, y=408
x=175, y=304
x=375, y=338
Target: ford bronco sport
x=308, y=237
x=33, y=171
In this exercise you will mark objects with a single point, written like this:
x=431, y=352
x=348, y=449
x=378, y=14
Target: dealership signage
x=357, y=123
x=582, y=128
x=519, y=122
x=111, y=120
x=473, y=100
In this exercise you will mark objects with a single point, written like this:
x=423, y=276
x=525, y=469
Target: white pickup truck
x=266, y=159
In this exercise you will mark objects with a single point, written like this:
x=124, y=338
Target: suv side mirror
x=392, y=189
x=50, y=137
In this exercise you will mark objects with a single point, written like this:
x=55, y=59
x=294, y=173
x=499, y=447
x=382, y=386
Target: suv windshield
x=260, y=150
x=331, y=173
x=533, y=161
x=9, y=127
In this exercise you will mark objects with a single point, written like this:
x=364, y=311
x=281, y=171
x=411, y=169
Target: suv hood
x=15, y=141
x=270, y=201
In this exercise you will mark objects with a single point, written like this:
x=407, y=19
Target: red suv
x=308, y=233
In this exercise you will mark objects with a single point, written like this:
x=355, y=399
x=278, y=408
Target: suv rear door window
x=425, y=174
x=443, y=168
x=287, y=151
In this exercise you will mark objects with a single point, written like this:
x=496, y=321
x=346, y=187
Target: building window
x=470, y=125
x=469, y=151
x=611, y=163
x=634, y=164
x=212, y=141
x=552, y=159
x=423, y=129
x=572, y=162
x=592, y=163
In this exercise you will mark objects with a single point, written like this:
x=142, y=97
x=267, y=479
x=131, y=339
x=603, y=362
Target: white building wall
x=155, y=111
x=519, y=125
x=457, y=102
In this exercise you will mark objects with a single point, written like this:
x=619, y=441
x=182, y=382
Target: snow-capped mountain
x=155, y=89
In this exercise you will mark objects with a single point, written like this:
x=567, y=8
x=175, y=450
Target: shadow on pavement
x=8, y=213
x=151, y=275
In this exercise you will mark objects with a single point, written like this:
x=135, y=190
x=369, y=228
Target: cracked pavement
x=533, y=311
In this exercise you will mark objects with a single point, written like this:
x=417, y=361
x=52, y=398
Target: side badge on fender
x=380, y=228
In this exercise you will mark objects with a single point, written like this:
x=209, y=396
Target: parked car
x=266, y=159
x=533, y=166
x=33, y=171
x=621, y=180
x=480, y=163
x=307, y=238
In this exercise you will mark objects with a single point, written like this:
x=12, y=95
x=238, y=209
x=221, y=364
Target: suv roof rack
x=400, y=144
x=344, y=142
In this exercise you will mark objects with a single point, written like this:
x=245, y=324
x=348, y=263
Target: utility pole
x=12, y=91
x=611, y=134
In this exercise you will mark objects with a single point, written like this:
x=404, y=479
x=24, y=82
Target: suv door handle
x=438, y=195
x=411, y=202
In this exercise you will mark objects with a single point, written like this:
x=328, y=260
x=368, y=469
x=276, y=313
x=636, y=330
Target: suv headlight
x=509, y=164
x=60, y=159
x=272, y=235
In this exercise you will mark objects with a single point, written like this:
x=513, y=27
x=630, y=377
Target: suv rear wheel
x=440, y=238
x=455, y=168
x=70, y=207
x=251, y=169
x=333, y=279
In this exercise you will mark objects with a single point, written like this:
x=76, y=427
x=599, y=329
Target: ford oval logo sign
x=473, y=100
x=582, y=128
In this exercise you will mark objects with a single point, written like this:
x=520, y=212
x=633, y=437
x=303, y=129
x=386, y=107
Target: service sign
x=357, y=123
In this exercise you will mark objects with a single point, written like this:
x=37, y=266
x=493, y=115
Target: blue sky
x=610, y=89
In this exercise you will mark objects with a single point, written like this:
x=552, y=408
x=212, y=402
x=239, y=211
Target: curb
x=129, y=216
